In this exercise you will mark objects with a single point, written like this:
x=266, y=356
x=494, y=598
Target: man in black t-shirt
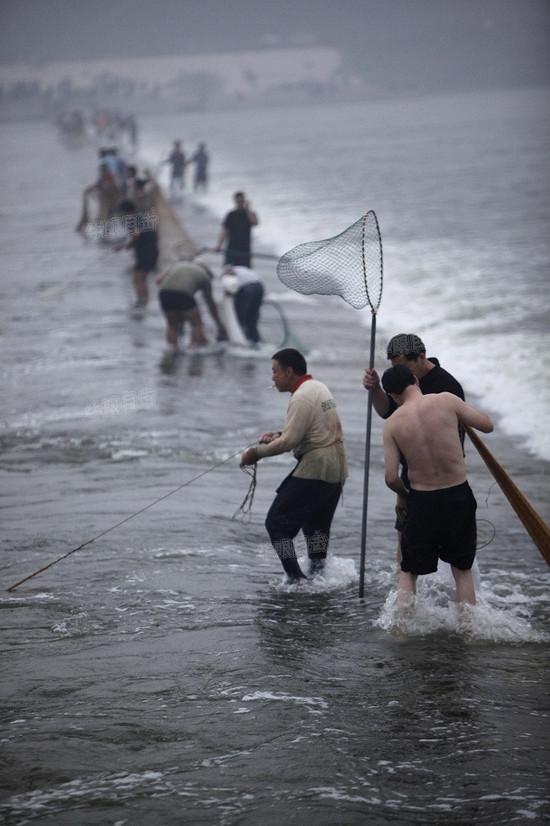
x=408, y=349
x=236, y=233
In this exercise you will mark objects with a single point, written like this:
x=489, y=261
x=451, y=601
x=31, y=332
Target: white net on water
x=348, y=265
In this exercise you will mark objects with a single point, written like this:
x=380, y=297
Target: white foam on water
x=433, y=610
x=339, y=572
x=83, y=791
x=314, y=704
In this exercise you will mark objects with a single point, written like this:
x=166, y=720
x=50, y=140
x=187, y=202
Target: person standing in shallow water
x=306, y=500
x=143, y=239
x=177, y=161
x=236, y=233
x=200, y=159
x=409, y=349
x=440, y=520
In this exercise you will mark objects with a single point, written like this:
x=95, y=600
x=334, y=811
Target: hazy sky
x=420, y=44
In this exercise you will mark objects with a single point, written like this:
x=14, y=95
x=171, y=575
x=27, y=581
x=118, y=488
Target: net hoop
x=374, y=304
x=349, y=264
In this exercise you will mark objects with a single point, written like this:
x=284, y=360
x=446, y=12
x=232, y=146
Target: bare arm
x=470, y=417
x=127, y=244
x=252, y=217
x=223, y=236
x=380, y=401
x=391, y=460
x=213, y=310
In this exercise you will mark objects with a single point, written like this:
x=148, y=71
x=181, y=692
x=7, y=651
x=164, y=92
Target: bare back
x=425, y=430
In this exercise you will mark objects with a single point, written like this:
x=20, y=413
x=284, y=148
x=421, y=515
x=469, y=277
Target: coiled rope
x=246, y=505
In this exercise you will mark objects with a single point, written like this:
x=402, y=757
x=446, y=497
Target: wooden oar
x=536, y=527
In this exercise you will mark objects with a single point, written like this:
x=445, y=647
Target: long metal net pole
x=367, y=466
x=349, y=265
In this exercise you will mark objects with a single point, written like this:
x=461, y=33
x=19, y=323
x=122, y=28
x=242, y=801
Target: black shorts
x=238, y=258
x=440, y=524
x=146, y=260
x=176, y=300
x=146, y=250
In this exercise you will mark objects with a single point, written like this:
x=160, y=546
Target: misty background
x=397, y=45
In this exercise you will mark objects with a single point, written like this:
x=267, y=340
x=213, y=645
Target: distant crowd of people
x=126, y=204
x=77, y=127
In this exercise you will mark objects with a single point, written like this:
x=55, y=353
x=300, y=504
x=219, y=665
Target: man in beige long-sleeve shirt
x=308, y=497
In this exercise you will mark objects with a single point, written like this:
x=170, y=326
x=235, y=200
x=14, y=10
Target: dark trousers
x=237, y=256
x=306, y=504
x=248, y=300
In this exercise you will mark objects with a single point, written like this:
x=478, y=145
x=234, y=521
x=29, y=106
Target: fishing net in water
x=175, y=243
x=348, y=265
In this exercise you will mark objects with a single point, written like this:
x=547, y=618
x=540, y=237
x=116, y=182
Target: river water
x=164, y=673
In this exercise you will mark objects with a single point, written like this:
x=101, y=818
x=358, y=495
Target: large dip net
x=349, y=265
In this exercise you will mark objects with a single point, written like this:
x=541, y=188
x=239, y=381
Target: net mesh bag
x=175, y=243
x=348, y=265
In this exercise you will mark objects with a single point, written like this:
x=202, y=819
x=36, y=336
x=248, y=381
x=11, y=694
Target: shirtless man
x=440, y=521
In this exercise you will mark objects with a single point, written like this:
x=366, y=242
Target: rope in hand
x=246, y=505
x=250, y=495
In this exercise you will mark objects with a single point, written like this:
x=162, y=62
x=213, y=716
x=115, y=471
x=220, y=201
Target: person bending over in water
x=247, y=290
x=178, y=287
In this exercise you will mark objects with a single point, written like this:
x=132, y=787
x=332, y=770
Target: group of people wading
x=423, y=405
x=127, y=215
x=425, y=416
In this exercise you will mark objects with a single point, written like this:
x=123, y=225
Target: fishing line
x=535, y=526
x=489, y=492
x=141, y=510
x=57, y=288
x=486, y=537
